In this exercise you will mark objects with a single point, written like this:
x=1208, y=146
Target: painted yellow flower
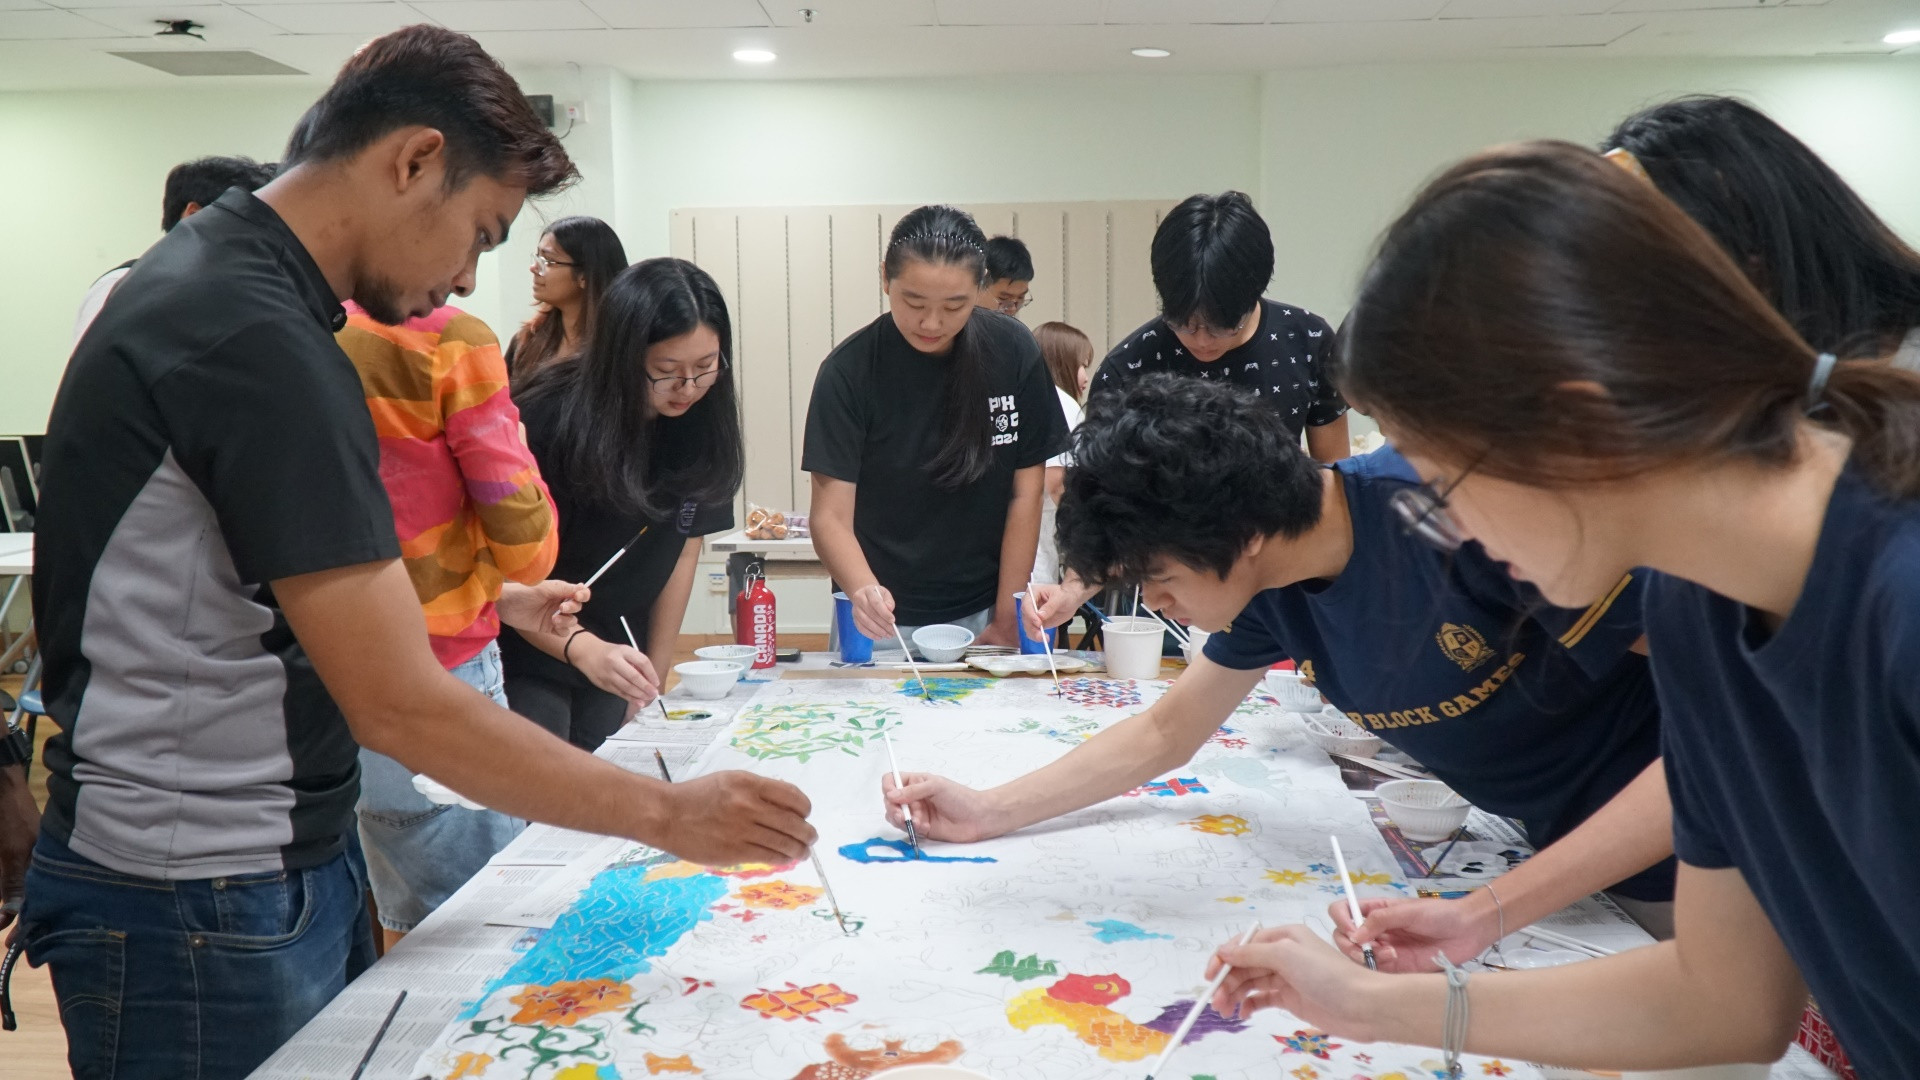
x=1289, y=877
x=469, y=1064
x=1369, y=879
x=1219, y=824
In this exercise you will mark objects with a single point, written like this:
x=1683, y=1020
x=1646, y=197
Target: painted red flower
x=1090, y=989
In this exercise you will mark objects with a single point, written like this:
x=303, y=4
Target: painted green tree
x=1029, y=967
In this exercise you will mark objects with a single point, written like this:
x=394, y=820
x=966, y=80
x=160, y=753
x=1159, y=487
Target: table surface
x=449, y=958
x=16, y=553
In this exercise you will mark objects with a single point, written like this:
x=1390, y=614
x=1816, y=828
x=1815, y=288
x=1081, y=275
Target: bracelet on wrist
x=566, y=651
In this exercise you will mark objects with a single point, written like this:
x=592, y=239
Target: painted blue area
x=942, y=688
x=1112, y=930
x=902, y=851
x=620, y=923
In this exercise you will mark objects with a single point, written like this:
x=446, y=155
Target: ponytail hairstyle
x=948, y=236
x=1554, y=318
x=607, y=440
x=597, y=256
x=1812, y=246
x=1066, y=350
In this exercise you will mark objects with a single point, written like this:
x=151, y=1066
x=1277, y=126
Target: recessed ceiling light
x=1903, y=37
x=1152, y=54
x=753, y=56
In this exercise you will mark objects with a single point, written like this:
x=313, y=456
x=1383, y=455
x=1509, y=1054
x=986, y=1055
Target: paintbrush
x=818, y=869
x=1457, y=833
x=1186, y=1026
x=367, y=1058
x=608, y=565
x=658, y=698
x=908, y=653
x=1179, y=634
x=1046, y=641
x=906, y=811
x=1353, y=902
x=662, y=762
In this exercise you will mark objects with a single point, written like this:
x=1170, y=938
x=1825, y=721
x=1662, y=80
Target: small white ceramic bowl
x=942, y=643
x=708, y=678
x=1332, y=731
x=1424, y=810
x=1292, y=691
x=729, y=654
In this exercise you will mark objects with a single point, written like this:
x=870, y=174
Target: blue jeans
x=419, y=851
x=190, y=980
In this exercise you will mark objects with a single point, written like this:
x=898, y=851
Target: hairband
x=953, y=237
x=1817, y=385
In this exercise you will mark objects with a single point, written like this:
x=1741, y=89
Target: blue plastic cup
x=855, y=647
x=1027, y=644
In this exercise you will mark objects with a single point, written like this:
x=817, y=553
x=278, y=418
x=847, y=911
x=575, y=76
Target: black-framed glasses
x=1214, y=333
x=544, y=264
x=701, y=381
x=1424, y=513
x=1007, y=305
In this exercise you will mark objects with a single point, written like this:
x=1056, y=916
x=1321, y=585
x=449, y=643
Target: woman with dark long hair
x=1848, y=284
x=577, y=258
x=1587, y=383
x=927, y=436
x=639, y=441
x=1069, y=357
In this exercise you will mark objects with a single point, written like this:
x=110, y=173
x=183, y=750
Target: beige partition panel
x=800, y=279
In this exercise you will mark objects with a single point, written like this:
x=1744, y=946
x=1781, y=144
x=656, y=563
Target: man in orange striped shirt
x=473, y=518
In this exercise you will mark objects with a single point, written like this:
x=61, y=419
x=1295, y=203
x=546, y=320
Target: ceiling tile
x=678, y=14
x=1584, y=31
x=21, y=5
x=1506, y=9
x=1341, y=11
x=221, y=22
x=1189, y=12
x=324, y=18
x=1019, y=12
x=47, y=24
x=477, y=16
x=837, y=13
x=190, y=63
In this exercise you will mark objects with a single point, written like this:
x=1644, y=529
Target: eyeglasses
x=1424, y=513
x=542, y=264
x=1011, y=305
x=701, y=381
x=1199, y=330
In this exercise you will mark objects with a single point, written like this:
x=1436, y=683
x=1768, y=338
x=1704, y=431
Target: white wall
x=1344, y=149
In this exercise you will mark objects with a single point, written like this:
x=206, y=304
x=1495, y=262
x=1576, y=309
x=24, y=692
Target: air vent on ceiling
x=210, y=62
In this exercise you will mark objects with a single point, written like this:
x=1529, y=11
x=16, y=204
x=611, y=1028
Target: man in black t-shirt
x=223, y=612
x=1212, y=260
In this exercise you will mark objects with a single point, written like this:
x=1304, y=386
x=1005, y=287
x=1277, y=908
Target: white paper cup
x=1133, y=647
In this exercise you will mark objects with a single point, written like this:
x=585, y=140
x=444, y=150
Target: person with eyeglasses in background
x=1534, y=712
x=1212, y=260
x=576, y=259
x=639, y=440
x=1009, y=276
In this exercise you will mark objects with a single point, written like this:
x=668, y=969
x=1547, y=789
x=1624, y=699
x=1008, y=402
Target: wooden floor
x=39, y=1048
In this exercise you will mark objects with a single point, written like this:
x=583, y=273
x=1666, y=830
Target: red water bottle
x=753, y=617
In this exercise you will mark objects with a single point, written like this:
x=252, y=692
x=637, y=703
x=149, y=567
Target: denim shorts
x=419, y=851
x=190, y=980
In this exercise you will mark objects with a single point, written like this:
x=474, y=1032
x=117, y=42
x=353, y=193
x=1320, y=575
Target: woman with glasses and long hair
x=927, y=436
x=1587, y=383
x=577, y=258
x=1535, y=712
x=639, y=440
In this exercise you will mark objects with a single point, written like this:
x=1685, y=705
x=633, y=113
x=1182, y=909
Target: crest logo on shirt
x=1005, y=418
x=1463, y=645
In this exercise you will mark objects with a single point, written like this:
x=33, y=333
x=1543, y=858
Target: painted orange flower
x=781, y=895
x=798, y=1002
x=1090, y=989
x=470, y=1065
x=565, y=1004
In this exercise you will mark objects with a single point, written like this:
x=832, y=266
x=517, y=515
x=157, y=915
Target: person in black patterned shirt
x=1212, y=260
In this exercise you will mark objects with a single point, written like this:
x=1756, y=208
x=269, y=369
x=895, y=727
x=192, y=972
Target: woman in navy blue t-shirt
x=1589, y=384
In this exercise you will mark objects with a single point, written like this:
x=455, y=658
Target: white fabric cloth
x=1046, y=561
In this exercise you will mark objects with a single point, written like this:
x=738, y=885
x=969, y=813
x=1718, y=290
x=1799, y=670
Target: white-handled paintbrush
x=608, y=565
x=908, y=653
x=658, y=699
x=821, y=870
x=1353, y=902
x=906, y=811
x=1186, y=1026
x=1046, y=640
